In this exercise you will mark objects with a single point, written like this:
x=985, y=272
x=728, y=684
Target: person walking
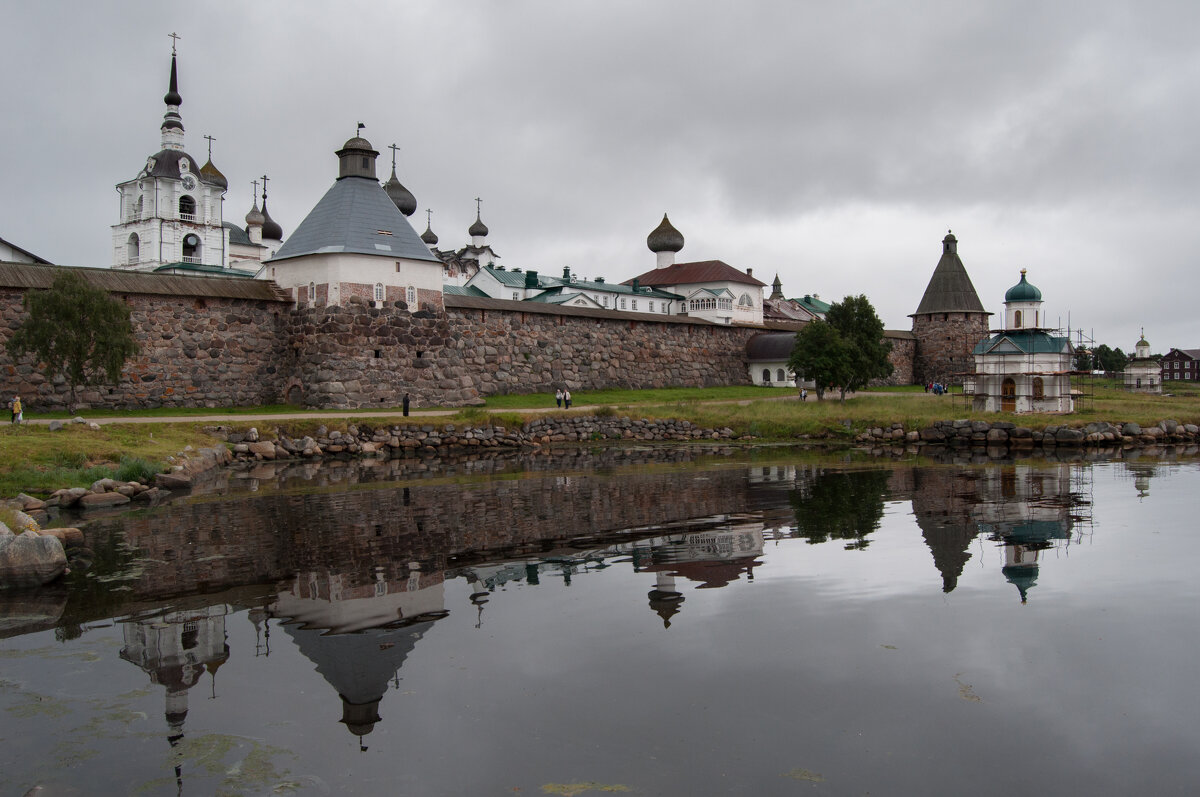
x=804, y=394
x=567, y=399
x=15, y=406
x=558, y=397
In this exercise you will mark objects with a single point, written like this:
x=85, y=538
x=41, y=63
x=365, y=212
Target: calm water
x=658, y=622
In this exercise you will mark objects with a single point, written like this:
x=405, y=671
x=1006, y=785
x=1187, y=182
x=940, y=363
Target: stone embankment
x=414, y=440
x=1006, y=434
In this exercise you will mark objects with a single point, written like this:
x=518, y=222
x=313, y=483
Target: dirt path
x=415, y=414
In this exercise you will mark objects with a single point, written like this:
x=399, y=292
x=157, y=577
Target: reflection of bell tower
x=665, y=600
x=175, y=649
x=1021, y=567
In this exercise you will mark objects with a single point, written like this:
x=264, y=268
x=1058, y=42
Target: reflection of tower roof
x=950, y=289
x=359, y=665
x=1023, y=577
x=941, y=502
x=665, y=604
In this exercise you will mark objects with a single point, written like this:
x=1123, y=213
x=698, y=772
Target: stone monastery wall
x=359, y=356
x=216, y=351
x=194, y=352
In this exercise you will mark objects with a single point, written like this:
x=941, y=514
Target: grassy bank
x=37, y=461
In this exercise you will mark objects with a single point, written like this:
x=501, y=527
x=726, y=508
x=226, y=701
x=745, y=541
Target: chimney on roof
x=599, y=280
x=531, y=279
x=567, y=273
x=636, y=285
x=749, y=272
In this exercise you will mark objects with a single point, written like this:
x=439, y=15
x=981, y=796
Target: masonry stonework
x=216, y=351
x=944, y=342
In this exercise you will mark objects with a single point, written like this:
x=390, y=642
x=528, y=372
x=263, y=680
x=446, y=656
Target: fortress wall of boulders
x=194, y=352
x=215, y=352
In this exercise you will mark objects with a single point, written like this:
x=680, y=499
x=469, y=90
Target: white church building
x=171, y=213
x=1023, y=367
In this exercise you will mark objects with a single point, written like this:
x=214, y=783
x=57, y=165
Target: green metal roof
x=1024, y=342
x=1022, y=292
x=462, y=290
x=516, y=279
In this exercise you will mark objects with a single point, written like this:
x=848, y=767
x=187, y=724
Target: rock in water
x=30, y=560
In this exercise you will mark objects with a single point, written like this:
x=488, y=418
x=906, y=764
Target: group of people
x=562, y=398
x=936, y=388
x=15, y=405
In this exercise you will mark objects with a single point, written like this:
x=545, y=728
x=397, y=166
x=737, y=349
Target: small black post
x=405, y=405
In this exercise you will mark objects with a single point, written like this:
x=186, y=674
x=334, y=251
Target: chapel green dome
x=1022, y=292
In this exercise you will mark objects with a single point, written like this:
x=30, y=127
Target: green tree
x=847, y=350
x=820, y=354
x=76, y=331
x=1107, y=359
x=840, y=505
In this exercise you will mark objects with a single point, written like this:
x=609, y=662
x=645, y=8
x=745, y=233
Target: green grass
x=37, y=461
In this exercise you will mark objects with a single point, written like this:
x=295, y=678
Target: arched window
x=191, y=248
x=1017, y=319
x=137, y=209
x=410, y=295
x=379, y=292
x=312, y=291
x=745, y=301
x=779, y=377
x=1039, y=388
x=132, y=247
x=766, y=375
x=187, y=208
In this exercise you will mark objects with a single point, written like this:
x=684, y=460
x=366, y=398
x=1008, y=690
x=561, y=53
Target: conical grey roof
x=950, y=289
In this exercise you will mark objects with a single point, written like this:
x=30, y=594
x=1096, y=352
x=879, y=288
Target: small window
x=312, y=291
x=1017, y=319
x=397, y=266
x=745, y=301
x=410, y=295
x=187, y=208
x=379, y=292
x=766, y=375
x=635, y=304
x=132, y=247
x=1039, y=388
x=622, y=302
x=779, y=375
x=516, y=296
x=366, y=162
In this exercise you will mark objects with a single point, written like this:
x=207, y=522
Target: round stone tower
x=949, y=321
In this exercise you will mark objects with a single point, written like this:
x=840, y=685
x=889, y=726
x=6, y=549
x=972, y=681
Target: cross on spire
x=478, y=204
x=264, y=179
x=174, y=39
x=255, y=192
x=393, y=148
x=210, y=141
x=428, y=217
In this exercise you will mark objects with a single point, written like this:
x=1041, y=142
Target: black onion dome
x=478, y=228
x=212, y=175
x=665, y=238
x=429, y=236
x=401, y=197
x=271, y=228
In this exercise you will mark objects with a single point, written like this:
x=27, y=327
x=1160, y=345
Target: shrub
x=136, y=469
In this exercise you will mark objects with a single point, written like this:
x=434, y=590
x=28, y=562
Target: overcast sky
x=832, y=143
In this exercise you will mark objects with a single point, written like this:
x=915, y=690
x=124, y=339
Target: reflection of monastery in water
x=1025, y=509
x=358, y=632
x=176, y=649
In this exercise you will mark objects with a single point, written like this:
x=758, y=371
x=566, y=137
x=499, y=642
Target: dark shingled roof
x=770, y=346
x=26, y=275
x=950, y=289
x=349, y=219
x=689, y=273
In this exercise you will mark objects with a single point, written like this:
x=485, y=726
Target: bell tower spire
x=172, y=126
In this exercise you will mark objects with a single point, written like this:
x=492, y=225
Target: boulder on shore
x=29, y=559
